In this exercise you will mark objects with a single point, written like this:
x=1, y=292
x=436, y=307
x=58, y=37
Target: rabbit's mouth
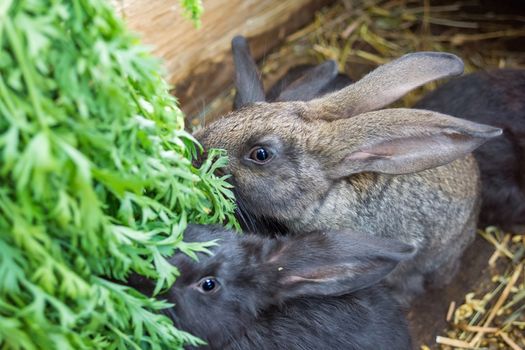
x=255, y=223
x=272, y=227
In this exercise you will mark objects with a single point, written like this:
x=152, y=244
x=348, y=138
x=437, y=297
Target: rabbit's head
x=285, y=156
x=219, y=296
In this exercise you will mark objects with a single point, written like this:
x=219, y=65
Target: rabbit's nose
x=199, y=160
x=201, y=156
x=220, y=172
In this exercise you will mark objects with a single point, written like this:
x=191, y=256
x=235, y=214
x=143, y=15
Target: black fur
x=310, y=292
x=294, y=75
x=496, y=98
x=247, y=77
x=300, y=83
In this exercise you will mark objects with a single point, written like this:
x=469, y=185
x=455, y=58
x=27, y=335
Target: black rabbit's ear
x=311, y=83
x=333, y=263
x=247, y=78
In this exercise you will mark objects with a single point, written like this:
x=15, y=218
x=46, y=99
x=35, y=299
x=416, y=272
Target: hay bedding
x=493, y=315
x=361, y=35
x=489, y=307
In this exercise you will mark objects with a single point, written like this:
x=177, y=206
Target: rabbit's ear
x=334, y=263
x=386, y=84
x=401, y=141
x=247, y=78
x=311, y=83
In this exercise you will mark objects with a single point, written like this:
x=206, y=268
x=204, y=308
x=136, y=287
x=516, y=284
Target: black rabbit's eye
x=208, y=284
x=260, y=155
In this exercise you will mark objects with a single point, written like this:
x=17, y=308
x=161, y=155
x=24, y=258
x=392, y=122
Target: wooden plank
x=198, y=61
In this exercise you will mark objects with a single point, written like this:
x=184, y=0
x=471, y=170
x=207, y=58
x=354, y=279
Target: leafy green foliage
x=193, y=10
x=96, y=181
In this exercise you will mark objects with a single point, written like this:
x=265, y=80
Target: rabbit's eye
x=208, y=285
x=260, y=155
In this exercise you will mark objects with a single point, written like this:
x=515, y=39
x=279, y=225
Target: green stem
x=26, y=71
x=123, y=336
x=10, y=111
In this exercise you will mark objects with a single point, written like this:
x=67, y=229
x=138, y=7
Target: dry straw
x=495, y=319
x=360, y=35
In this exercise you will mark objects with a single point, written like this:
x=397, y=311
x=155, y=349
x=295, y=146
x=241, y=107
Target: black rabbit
x=316, y=291
x=496, y=98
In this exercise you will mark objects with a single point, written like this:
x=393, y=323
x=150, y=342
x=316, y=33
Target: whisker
x=241, y=217
x=170, y=313
x=248, y=219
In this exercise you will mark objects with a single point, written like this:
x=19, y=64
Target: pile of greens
x=96, y=180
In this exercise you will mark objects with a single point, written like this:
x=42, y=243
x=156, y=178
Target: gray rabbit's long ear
x=311, y=83
x=247, y=78
x=400, y=141
x=334, y=263
x=386, y=84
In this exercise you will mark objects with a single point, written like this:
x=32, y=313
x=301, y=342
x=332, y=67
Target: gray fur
x=389, y=82
x=422, y=190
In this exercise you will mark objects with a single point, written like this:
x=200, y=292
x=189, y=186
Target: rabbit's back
x=490, y=97
x=368, y=319
x=496, y=98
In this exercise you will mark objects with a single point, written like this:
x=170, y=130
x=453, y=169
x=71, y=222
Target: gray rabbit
x=316, y=291
x=338, y=161
x=496, y=98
